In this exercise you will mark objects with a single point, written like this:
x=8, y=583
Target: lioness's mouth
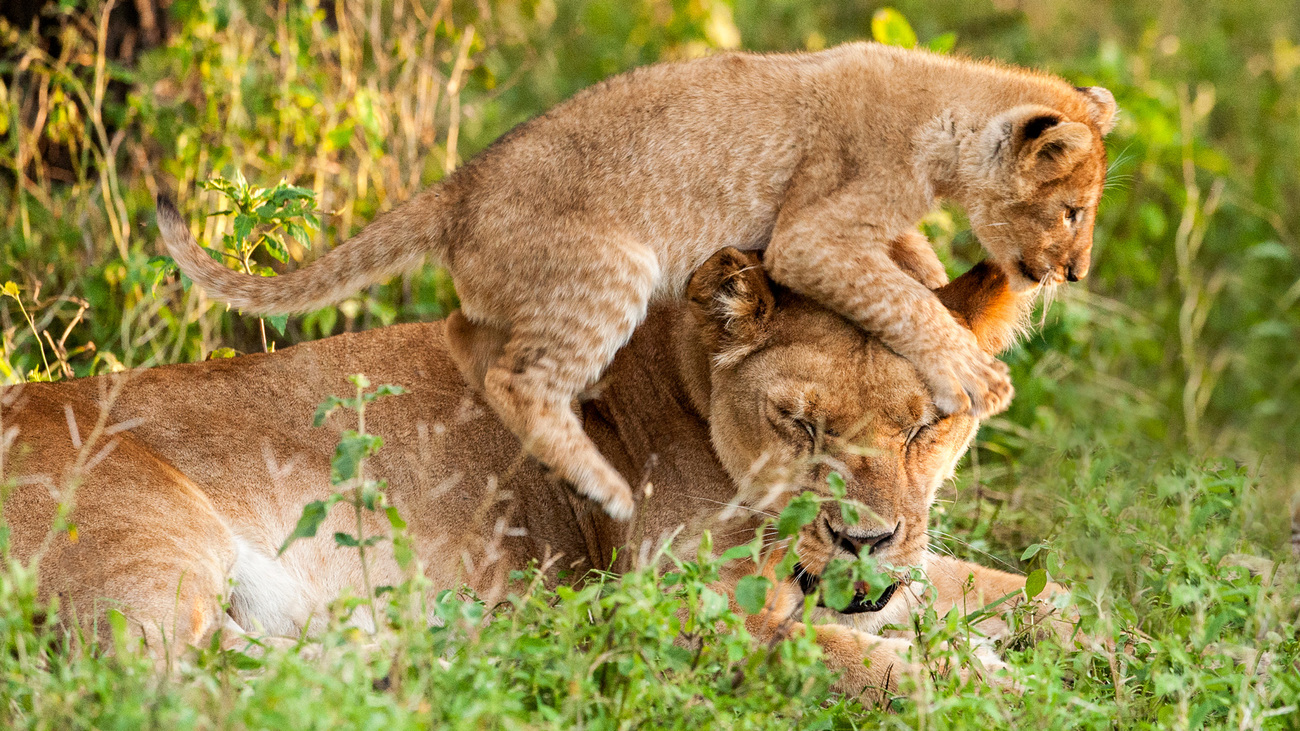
x=808, y=583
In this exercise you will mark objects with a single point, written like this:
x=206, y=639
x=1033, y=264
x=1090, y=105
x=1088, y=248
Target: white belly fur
x=265, y=599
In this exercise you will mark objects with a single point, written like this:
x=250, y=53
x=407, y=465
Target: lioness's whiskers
x=734, y=505
x=948, y=536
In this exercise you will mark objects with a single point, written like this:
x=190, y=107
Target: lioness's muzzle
x=808, y=583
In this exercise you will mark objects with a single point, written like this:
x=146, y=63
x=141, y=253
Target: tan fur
x=562, y=231
x=705, y=402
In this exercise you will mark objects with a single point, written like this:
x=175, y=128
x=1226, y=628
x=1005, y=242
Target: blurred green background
x=1156, y=430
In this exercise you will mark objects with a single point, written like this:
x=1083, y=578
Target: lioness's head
x=1032, y=179
x=796, y=392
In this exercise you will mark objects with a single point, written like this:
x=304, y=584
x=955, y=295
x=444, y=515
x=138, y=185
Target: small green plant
x=263, y=217
x=348, y=475
x=840, y=581
x=10, y=290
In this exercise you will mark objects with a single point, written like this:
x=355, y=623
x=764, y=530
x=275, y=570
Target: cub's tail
x=396, y=242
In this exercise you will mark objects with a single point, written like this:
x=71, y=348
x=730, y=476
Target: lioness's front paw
x=970, y=380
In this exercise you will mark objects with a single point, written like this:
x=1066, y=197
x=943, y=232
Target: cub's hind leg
x=558, y=345
x=474, y=347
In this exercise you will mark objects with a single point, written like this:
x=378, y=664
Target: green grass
x=1150, y=454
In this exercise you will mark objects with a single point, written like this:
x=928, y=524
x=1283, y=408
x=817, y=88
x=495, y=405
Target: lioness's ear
x=732, y=302
x=982, y=300
x=1042, y=142
x=1104, y=109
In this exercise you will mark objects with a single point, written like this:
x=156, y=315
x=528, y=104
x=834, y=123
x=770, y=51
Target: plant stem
x=356, y=502
x=244, y=261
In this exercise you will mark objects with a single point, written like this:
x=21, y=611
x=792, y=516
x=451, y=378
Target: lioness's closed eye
x=560, y=234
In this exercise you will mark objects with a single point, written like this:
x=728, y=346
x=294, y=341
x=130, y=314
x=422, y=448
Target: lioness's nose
x=853, y=539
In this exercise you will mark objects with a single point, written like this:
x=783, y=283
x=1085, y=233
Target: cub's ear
x=732, y=301
x=982, y=300
x=1042, y=142
x=1104, y=109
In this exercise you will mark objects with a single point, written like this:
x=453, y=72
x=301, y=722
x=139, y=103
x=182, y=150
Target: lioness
x=560, y=234
x=189, y=477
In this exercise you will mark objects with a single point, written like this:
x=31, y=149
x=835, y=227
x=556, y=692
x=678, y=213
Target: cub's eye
x=1072, y=216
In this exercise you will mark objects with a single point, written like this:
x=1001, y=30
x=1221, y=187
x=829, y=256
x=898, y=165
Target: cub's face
x=1033, y=180
x=798, y=392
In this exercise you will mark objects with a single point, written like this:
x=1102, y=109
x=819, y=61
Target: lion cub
x=561, y=232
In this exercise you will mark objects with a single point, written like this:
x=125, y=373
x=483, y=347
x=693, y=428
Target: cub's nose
x=854, y=540
x=1078, y=268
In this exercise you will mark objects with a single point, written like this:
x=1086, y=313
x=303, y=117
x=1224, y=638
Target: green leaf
x=712, y=605
x=313, y=514
x=786, y=566
x=1035, y=583
x=346, y=540
x=278, y=322
x=800, y=512
x=299, y=234
x=275, y=248
x=240, y=661
x=837, y=584
x=325, y=408
x=389, y=390
x=836, y=482
x=394, y=519
x=118, y=626
x=822, y=723
x=351, y=450
x=849, y=512
x=243, y=227
x=943, y=43
x=370, y=496
x=1031, y=552
x=285, y=193
x=868, y=571
x=888, y=26
x=751, y=593
x=705, y=549
x=403, y=551
x=223, y=354
x=738, y=552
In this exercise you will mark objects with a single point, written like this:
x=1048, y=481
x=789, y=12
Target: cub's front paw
x=914, y=254
x=606, y=488
x=969, y=380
